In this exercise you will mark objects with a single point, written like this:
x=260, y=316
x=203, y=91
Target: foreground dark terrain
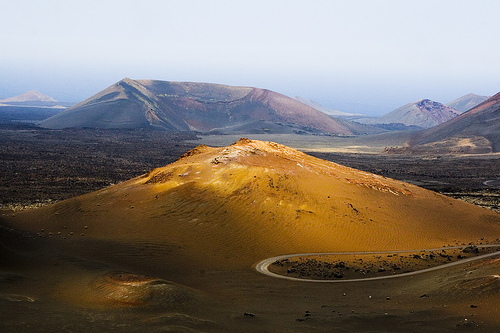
x=181, y=248
x=39, y=166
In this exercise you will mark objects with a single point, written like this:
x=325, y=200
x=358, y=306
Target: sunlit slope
x=233, y=206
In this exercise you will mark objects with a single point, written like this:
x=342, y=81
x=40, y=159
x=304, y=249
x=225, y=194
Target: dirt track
x=263, y=266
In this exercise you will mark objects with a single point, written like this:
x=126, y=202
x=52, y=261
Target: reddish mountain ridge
x=475, y=131
x=189, y=106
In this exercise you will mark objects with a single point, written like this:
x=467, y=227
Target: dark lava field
x=39, y=166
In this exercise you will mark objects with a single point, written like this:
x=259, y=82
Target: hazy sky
x=368, y=56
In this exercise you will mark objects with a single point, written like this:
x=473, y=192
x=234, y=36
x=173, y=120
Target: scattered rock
x=467, y=323
x=340, y=265
x=471, y=249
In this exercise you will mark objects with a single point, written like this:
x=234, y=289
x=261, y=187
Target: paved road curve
x=263, y=266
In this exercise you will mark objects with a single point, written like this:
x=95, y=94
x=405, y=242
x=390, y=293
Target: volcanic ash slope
x=229, y=207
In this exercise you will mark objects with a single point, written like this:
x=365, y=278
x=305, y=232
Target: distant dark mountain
x=30, y=96
x=467, y=102
x=423, y=113
x=126, y=104
x=188, y=106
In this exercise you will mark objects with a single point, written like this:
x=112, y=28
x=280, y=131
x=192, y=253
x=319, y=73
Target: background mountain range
x=474, y=131
x=201, y=107
x=477, y=130
x=423, y=113
x=220, y=109
x=426, y=113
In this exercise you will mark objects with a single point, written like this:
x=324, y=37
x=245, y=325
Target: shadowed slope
x=126, y=104
x=208, y=107
x=230, y=207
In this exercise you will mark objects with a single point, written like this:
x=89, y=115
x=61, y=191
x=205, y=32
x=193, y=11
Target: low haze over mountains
x=203, y=107
x=467, y=102
x=30, y=96
x=222, y=109
x=30, y=107
x=34, y=98
x=323, y=109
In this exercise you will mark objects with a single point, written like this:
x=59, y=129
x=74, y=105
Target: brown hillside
x=126, y=104
x=177, y=250
x=189, y=106
x=230, y=207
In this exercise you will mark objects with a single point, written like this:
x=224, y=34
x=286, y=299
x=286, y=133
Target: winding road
x=492, y=183
x=263, y=266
